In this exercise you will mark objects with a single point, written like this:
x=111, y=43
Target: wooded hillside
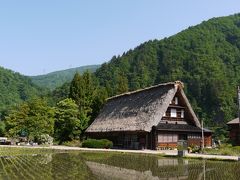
x=58, y=78
x=205, y=57
x=15, y=88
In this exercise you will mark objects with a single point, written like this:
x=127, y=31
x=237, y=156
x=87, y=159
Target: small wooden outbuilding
x=234, y=135
x=153, y=118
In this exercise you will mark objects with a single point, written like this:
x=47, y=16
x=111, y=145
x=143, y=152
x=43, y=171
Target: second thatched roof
x=234, y=121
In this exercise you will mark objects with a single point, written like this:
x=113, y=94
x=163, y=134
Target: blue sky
x=37, y=37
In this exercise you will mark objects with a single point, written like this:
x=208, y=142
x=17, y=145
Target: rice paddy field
x=21, y=163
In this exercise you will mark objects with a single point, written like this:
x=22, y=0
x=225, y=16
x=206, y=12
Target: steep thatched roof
x=139, y=110
x=234, y=121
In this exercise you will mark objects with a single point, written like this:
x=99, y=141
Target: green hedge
x=95, y=143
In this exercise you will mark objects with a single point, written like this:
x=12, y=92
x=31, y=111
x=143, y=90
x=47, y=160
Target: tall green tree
x=68, y=126
x=99, y=99
x=32, y=118
x=88, y=89
x=82, y=92
x=76, y=89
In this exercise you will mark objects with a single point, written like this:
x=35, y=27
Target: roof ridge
x=178, y=83
x=234, y=121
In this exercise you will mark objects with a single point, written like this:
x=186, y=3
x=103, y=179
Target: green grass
x=73, y=143
x=225, y=149
x=15, y=151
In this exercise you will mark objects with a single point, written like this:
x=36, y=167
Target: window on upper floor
x=173, y=112
x=182, y=113
x=176, y=100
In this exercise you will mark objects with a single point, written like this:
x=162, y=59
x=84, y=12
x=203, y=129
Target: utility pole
x=239, y=103
x=202, y=137
x=238, y=115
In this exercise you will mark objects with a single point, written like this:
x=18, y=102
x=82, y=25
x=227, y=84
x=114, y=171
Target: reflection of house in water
x=105, y=171
x=183, y=163
x=172, y=162
x=112, y=172
x=45, y=159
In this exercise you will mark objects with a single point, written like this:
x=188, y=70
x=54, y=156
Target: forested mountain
x=205, y=57
x=58, y=78
x=15, y=88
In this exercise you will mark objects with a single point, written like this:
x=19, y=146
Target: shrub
x=94, y=143
x=194, y=148
x=45, y=139
x=180, y=148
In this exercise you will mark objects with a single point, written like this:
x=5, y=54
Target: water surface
x=87, y=165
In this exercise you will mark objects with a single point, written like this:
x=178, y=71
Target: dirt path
x=162, y=152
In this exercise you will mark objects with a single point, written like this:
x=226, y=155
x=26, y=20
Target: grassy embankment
x=225, y=149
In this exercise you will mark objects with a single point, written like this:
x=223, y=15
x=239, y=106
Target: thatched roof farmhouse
x=148, y=118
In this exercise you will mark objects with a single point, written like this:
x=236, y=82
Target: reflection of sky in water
x=78, y=165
